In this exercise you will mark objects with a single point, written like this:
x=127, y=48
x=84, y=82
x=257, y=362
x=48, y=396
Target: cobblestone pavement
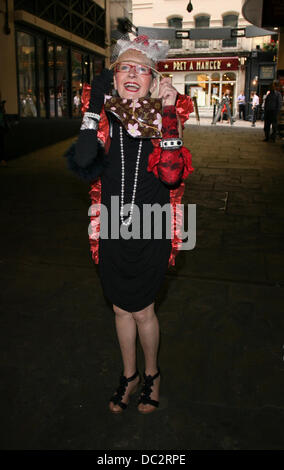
x=220, y=311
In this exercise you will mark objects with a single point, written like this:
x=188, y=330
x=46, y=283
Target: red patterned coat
x=171, y=166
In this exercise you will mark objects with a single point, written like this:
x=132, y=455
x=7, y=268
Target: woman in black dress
x=132, y=270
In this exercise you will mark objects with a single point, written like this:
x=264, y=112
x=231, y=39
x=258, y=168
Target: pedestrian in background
x=255, y=105
x=272, y=107
x=242, y=105
x=263, y=104
x=226, y=109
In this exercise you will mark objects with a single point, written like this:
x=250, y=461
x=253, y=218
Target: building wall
x=119, y=9
x=8, y=70
x=156, y=13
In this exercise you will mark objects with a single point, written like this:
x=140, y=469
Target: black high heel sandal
x=118, y=395
x=147, y=390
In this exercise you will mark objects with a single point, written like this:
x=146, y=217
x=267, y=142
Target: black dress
x=132, y=270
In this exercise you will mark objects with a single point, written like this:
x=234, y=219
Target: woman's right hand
x=100, y=86
x=167, y=92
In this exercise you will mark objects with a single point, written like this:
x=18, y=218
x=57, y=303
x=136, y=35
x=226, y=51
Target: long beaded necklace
x=129, y=219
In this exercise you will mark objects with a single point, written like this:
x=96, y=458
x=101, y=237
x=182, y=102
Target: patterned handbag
x=141, y=117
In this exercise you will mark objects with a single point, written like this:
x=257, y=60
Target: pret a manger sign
x=199, y=64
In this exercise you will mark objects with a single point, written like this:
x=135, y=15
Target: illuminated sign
x=198, y=64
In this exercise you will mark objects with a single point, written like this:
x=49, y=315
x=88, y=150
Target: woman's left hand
x=167, y=92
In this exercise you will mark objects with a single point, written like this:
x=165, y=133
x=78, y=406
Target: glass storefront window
x=51, y=85
x=98, y=66
x=215, y=76
x=40, y=48
x=201, y=77
x=191, y=77
x=86, y=69
x=61, y=81
x=57, y=80
x=209, y=89
x=199, y=91
x=91, y=70
x=197, y=86
x=77, y=82
x=215, y=93
x=229, y=76
x=26, y=74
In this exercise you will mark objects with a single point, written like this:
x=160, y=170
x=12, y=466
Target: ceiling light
x=189, y=7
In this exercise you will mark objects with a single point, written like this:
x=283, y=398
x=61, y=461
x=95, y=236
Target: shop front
x=48, y=51
x=50, y=74
x=206, y=79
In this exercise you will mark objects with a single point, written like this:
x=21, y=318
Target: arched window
x=232, y=21
x=229, y=76
x=202, y=21
x=175, y=22
x=215, y=77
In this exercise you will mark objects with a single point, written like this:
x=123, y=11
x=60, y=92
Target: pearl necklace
x=129, y=219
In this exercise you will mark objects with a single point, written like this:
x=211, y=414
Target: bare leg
x=148, y=330
x=126, y=332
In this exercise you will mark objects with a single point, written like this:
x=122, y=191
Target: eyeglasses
x=139, y=68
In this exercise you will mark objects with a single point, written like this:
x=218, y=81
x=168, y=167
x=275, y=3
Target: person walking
x=272, y=107
x=263, y=104
x=255, y=106
x=226, y=109
x=242, y=105
x=139, y=171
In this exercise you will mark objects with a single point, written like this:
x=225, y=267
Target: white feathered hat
x=154, y=49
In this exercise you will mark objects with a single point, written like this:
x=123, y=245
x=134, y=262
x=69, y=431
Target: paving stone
x=210, y=199
x=256, y=242
x=228, y=264
x=227, y=179
x=244, y=197
x=275, y=210
x=202, y=185
x=240, y=172
x=248, y=208
x=206, y=239
x=275, y=266
x=272, y=225
x=209, y=219
x=236, y=165
x=235, y=186
x=250, y=179
x=211, y=171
